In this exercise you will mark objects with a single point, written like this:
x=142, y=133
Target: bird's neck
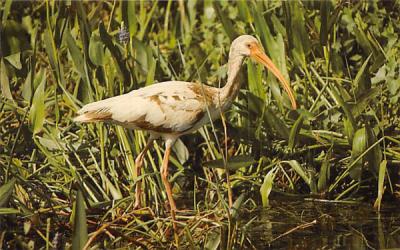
x=231, y=89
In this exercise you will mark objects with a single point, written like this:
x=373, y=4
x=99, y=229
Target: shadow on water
x=323, y=225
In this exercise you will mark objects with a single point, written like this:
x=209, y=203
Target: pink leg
x=139, y=164
x=164, y=177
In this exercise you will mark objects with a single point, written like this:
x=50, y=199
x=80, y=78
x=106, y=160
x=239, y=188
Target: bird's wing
x=168, y=107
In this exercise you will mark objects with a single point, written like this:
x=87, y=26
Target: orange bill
x=261, y=57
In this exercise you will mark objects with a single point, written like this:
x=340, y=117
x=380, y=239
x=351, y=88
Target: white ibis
x=174, y=108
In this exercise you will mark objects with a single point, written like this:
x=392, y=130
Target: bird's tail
x=94, y=112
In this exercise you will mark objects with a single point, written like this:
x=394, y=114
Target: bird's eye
x=249, y=45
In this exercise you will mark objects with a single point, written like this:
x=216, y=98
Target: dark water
x=324, y=225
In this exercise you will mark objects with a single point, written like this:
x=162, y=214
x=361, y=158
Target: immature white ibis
x=174, y=108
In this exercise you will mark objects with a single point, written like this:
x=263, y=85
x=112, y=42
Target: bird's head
x=248, y=46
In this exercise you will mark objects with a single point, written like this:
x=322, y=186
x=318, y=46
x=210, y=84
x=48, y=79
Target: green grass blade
x=79, y=233
x=37, y=111
x=381, y=185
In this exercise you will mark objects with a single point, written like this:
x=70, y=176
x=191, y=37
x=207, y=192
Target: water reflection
x=322, y=225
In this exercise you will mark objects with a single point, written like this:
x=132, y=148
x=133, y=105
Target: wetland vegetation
x=336, y=157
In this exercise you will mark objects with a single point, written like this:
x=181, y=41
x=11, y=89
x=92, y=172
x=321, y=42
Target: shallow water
x=323, y=225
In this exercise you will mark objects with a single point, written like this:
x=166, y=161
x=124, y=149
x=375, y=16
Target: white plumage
x=167, y=107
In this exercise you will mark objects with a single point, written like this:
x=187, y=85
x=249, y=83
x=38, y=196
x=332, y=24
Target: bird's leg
x=164, y=178
x=139, y=164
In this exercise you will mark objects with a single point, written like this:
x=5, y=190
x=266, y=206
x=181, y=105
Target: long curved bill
x=261, y=57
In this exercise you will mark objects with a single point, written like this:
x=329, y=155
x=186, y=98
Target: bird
x=171, y=109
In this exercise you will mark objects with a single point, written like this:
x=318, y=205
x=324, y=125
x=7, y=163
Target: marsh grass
x=342, y=144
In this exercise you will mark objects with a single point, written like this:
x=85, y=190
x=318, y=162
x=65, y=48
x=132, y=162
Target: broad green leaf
x=254, y=75
x=236, y=206
x=96, y=50
x=84, y=27
x=374, y=156
x=361, y=72
x=244, y=11
x=152, y=69
x=129, y=16
x=213, y=241
x=76, y=53
x=298, y=36
x=141, y=56
x=234, y=162
x=6, y=191
x=294, y=132
x=381, y=184
x=79, y=232
x=277, y=24
x=348, y=130
x=4, y=81
x=14, y=60
x=37, y=111
x=324, y=174
x=351, y=122
x=299, y=170
x=27, y=88
x=51, y=51
x=360, y=143
x=266, y=187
